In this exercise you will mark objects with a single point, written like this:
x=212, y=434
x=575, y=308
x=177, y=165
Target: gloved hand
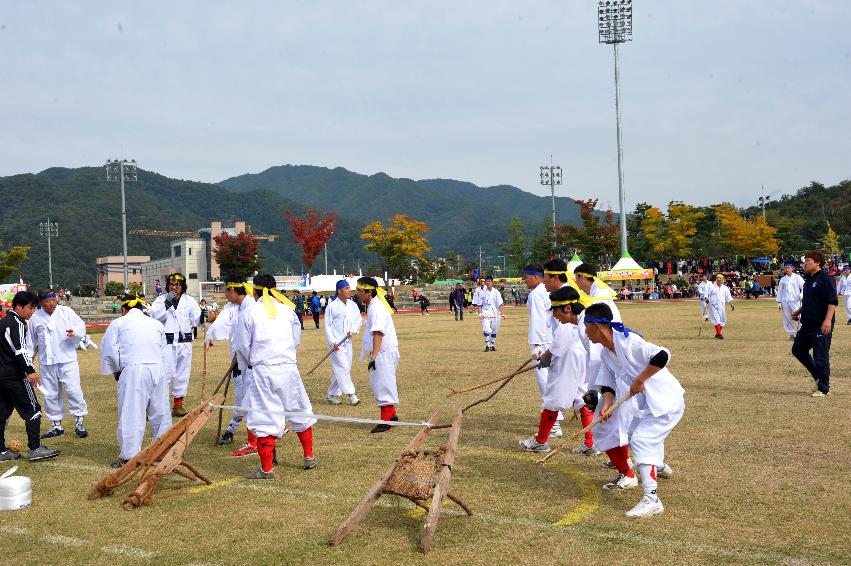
x=170, y=295
x=591, y=398
x=545, y=360
x=537, y=351
x=335, y=347
x=116, y=375
x=706, y=301
x=732, y=307
x=370, y=366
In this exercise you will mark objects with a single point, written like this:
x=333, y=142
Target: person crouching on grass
x=659, y=397
x=566, y=359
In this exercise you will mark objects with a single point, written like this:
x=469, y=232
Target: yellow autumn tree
x=831, y=240
x=399, y=241
x=748, y=238
x=671, y=236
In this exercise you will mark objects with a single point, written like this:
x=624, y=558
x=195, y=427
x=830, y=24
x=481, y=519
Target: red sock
x=548, y=419
x=653, y=472
x=252, y=438
x=306, y=439
x=718, y=329
x=266, y=449
x=387, y=412
x=178, y=401
x=618, y=456
x=585, y=417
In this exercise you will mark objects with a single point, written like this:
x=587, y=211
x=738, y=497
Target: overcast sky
x=718, y=97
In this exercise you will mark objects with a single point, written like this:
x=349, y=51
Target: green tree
x=596, y=238
x=515, y=248
x=11, y=260
x=542, y=247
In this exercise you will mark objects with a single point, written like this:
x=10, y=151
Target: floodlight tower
x=614, y=24
x=763, y=202
x=122, y=170
x=51, y=230
x=551, y=175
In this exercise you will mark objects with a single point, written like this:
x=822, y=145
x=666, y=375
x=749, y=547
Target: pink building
x=111, y=268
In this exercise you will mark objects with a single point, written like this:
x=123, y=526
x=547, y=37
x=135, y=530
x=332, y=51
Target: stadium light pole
x=614, y=26
x=122, y=170
x=551, y=175
x=763, y=202
x=51, y=230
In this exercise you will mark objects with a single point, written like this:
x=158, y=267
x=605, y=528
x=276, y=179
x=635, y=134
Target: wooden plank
x=442, y=487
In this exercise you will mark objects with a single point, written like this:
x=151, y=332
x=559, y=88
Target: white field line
x=62, y=540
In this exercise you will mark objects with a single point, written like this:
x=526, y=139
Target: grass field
x=761, y=470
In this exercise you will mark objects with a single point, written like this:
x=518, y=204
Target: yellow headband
x=268, y=303
x=379, y=292
x=563, y=303
x=588, y=275
x=133, y=302
x=548, y=272
x=249, y=288
x=176, y=277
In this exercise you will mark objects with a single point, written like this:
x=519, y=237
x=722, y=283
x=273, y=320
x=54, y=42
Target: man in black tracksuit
x=18, y=377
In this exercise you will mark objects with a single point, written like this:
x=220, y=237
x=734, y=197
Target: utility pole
x=122, y=170
x=763, y=201
x=51, y=230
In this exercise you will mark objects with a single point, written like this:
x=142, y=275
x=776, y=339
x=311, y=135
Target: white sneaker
x=586, y=450
x=353, y=399
x=621, y=483
x=664, y=471
x=531, y=444
x=332, y=400
x=647, y=507
x=556, y=431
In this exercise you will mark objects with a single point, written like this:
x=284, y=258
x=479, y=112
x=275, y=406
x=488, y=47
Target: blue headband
x=488, y=278
x=342, y=284
x=528, y=271
x=615, y=325
x=50, y=295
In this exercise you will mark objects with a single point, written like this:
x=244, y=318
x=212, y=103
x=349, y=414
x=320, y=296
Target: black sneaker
x=487, y=348
x=80, y=431
x=43, y=453
x=118, y=463
x=493, y=348
x=53, y=433
x=384, y=427
x=227, y=438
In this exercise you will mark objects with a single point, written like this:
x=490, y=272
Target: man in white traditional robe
x=342, y=321
x=790, y=289
x=717, y=298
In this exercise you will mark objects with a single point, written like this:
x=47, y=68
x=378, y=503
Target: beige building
x=189, y=256
x=111, y=268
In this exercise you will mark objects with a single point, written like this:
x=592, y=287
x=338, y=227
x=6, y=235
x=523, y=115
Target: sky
x=718, y=99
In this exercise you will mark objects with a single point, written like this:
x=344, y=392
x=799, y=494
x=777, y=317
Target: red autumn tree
x=311, y=232
x=237, y=254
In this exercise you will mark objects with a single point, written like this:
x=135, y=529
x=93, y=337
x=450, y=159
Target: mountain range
x=87, y=208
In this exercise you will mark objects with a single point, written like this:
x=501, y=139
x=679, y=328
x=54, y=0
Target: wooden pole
x=331, y=351
x=204, y=374
x=442, y=487
x=503, y=378
x=372, y=497
x=495, y=391
x=594, y=423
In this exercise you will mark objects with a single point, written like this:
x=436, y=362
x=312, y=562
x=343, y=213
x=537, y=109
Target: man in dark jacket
x=457, y=301
x=18, y=378
x=817, y=318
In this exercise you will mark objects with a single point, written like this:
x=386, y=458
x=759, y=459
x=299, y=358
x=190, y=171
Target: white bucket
x=15, y=493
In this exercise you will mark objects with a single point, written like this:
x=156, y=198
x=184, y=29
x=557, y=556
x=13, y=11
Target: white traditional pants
x=341, y=371
x=704, y=308
x=541, y=376
x=648, y=434
x=55, y=378
x=382, y=380
x=848, y=306
x=615, y=431
x=142, y=394
x=178, y=359
x=490, y=326
x=788, y=307
x=718, y=313
x=275, y=391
